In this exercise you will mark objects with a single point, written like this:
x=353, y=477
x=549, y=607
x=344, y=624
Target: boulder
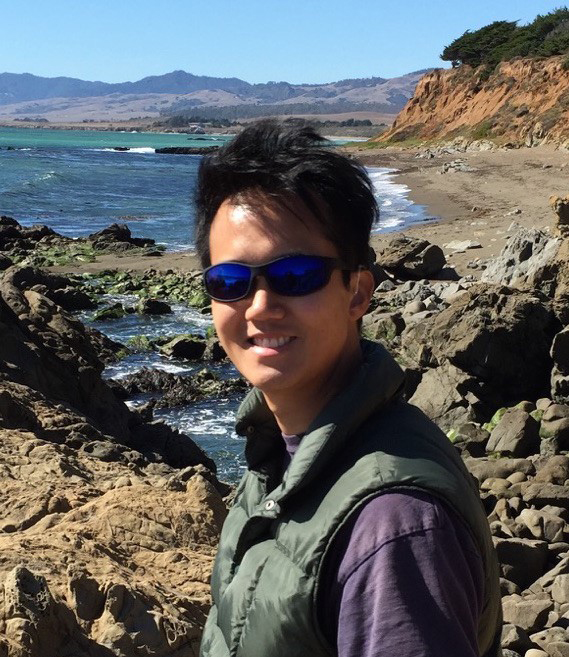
x=441, y=395
x=522, y=561
x=482, y=334
x=408, y=257
x=529, y=614
x=525, y=260
x=153, y=307
x=516, y=435
x=190, y=347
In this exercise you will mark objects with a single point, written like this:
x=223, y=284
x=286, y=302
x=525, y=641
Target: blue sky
x=255, y=40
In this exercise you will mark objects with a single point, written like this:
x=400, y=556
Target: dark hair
x=276, y=160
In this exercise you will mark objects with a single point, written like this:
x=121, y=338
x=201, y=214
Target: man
x=356, y=530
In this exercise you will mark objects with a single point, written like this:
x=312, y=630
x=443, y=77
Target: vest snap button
x=269, y=504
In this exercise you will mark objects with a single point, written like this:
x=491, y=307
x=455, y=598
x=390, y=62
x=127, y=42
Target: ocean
x=76, y=183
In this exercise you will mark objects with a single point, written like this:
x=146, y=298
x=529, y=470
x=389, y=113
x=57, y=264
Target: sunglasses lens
x=296, y=276
x=227, y=281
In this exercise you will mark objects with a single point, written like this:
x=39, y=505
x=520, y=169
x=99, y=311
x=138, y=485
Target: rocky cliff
x=524, y=100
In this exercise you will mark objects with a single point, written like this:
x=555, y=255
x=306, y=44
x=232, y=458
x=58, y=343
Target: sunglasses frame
x=260, y=270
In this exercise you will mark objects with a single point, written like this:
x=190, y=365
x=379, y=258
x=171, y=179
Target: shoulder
x=393, y=517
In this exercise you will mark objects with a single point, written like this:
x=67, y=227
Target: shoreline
x=504, y=186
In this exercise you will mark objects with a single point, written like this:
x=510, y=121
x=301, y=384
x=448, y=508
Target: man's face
x=317, y=334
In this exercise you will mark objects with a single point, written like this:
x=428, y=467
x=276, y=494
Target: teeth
x=270, y=342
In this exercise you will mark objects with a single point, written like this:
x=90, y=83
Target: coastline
x=505, y=186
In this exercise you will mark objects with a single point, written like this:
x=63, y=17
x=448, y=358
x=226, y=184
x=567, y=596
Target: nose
x=263, y=302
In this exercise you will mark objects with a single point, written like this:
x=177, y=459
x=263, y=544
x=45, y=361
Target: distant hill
x=64, y=98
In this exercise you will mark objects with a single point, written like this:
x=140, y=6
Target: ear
x=362, y=286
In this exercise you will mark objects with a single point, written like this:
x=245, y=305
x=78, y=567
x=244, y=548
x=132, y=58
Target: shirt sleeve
x=403, y=578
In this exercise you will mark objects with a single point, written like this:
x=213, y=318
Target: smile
x=270, y=343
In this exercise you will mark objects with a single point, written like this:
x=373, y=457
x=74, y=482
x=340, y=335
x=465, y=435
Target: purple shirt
x=403, y=577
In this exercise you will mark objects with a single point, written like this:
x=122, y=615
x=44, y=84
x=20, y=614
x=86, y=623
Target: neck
x=295, y=412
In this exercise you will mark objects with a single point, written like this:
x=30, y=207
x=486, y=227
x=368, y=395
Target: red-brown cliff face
x=524, y=100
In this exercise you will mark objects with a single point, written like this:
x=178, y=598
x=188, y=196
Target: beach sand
x=476, y=205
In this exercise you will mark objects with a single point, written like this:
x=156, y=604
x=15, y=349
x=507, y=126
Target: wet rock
x=153, y=307
x=190, y=347
x=118, y=234
x=114, y=311
x=176, y=390
x=407, y=257
x=560, y=372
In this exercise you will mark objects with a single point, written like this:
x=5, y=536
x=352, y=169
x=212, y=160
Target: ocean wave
x=141, y=149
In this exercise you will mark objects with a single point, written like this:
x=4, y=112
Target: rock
x=175, y=389
x=560, y=372
x=383, y=327
x=118, y=234
x=441, y=395
x=561, y=208
x=555, y=470
x=515, y=638
x=524, y=260
x=114, y=311
x=542, y=526
x=528, y=613
x=482, y=334
x=52, y=384
x=560, y=589
x=5, y=262
x=153, y=307
x=540, y=494
x=522, y=561
x=95, y=568
x=516, y=434
x=462, y=246
x=472, y=439
x=558, y=649
x=544, y=638
x=485, y=468
x=190, y=347
x=408, y=257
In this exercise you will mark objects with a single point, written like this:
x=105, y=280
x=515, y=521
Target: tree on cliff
x=472, y=48
x=503, y=40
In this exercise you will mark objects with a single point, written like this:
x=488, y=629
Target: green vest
x=266, y=577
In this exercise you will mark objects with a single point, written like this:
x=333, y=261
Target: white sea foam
x=141, y=149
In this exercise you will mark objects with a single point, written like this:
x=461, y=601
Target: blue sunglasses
x=290, y=276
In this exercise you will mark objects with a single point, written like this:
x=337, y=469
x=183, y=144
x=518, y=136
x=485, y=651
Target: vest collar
x=378, y=380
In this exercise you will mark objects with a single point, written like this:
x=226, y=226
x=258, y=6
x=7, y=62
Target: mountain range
x=64, y=98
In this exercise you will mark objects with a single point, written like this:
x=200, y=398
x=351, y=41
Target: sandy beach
x=504, y=186
x=478, y=205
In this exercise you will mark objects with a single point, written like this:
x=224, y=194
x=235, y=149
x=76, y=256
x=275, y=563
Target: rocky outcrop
x=52, y=356
x=41, y=246
x=102, y=557
x=108, y=520
x=524, y=100
x=176, y=390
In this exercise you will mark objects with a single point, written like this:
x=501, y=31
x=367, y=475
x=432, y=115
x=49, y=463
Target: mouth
x=270, y=343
